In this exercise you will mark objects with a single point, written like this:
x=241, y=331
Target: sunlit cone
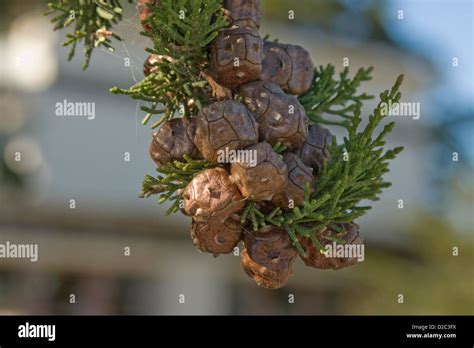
x=281, y=117
x=212, y=195
x=263, y=178
x=270, y=246
x=215, y=237
x=262, y=275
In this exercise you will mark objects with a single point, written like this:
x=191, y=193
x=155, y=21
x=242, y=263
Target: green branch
x=279, y=147
x=333, y=102
x=180, y=31
x=92, y=20
x=185, y=27
x=167, y=93
x=173, y=178
x=354, y=173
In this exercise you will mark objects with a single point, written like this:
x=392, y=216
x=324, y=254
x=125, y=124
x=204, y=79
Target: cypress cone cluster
x=262, y=114
x=243, y=160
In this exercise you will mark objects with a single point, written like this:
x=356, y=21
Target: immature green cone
x=314, y=258
x=314, y=152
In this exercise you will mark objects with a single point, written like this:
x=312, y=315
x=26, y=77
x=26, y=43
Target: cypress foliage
x=329, y=97
x=92, y=21
x=179, y=85
x=172, y=179
x=354, y=173
x=180, y=32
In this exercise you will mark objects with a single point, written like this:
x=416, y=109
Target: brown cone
x=314, y=258
x=298, y=176
x=244, y=11
x=270, y=247
x=289, y=66
x=211, y=195
x=280, y=115
x=216, y=237
x=313, y=152
x=236, y=55
x=263, y=178
x=174, y=140
x=262, y=275
x=224, y=125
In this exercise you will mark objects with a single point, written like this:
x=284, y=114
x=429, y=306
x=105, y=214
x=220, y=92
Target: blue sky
x=439, y=30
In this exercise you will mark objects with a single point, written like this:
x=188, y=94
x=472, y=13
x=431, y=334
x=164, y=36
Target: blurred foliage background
x=409, y=251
